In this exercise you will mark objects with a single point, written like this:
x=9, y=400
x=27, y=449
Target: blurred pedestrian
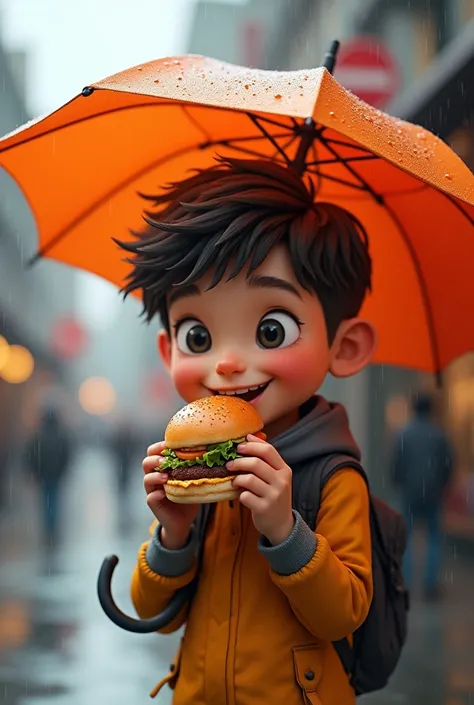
x=123, y=445
x=47, y=458
x=422, y=467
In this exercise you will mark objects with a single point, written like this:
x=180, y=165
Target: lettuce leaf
x=216, y=456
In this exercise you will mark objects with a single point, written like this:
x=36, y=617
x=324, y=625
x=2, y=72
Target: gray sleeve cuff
x=171, y=564
x=293, y=554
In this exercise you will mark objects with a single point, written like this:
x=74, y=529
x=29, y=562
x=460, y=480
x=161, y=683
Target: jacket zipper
x=234, y=565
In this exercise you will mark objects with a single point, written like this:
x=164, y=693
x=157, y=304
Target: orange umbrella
x=82, y=167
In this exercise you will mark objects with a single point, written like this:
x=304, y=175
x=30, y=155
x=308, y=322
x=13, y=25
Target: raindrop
x=399, y=132
x=177, y=62
x=139, y=68
x=332, y=113
x=156, y=80
x=448, y=177
x=278, y=96
x=180, y=78
x=246, y=87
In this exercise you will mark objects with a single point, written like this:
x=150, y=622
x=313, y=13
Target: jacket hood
x=323, y=431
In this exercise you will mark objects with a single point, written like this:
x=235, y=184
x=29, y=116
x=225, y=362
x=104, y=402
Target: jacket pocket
x=172, y=676
x=308, y=671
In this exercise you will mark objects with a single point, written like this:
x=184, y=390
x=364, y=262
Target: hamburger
x=200, y=439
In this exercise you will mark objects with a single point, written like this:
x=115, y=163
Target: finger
x=152, y=462
x=251, y=501
x=253, y=465
x=265, y=451
x=251, y=437
x=155, y=498
x=156, y=448
x=154, y=481
x=252, y=483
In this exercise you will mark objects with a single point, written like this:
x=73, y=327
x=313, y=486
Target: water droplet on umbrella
x=448, y=177
x=180, y=78
x=139, y=68
x=177, y=62
x=156, y=80
x=332, y=113
x=278, y=96
x=246, y=87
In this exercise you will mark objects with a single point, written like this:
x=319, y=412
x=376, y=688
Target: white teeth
x=240, y=391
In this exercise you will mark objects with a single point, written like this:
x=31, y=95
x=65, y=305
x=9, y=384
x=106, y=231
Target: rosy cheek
x=295, y=366
x=188, y=372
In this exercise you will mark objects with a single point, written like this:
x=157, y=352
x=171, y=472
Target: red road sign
x=367, y=68
x=68, y=338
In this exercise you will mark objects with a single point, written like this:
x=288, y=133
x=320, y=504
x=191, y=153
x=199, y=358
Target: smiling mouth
x=245, y=393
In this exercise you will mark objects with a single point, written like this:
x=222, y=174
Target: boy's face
x=264, y=332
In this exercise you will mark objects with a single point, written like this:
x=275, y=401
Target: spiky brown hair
x=229, y=217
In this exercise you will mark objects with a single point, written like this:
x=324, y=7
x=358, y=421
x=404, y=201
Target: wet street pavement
x=58, y=648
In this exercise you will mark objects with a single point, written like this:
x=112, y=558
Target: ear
x=164, y=348
x=353, y=347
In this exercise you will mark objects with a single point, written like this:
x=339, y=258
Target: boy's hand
x=267, y=488
x=175, y=519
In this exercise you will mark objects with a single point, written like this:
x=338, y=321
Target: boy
x=258, y=285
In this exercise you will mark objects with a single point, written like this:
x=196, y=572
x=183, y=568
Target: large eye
x=193, y=337
x=277, y=330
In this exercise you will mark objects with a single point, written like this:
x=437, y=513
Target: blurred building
x=31, y=300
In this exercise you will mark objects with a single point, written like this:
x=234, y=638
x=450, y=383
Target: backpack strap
x=309, y=480
x=308, y=483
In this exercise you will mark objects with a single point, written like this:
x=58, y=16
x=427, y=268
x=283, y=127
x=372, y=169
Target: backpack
x=378, y=643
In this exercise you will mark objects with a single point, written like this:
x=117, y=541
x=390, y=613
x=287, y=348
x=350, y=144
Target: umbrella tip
x=331, y=55
x=33, y=260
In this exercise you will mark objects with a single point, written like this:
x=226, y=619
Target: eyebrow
x=182, y=292
x=261, y=282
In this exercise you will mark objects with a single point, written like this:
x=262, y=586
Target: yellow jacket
x=255, y=636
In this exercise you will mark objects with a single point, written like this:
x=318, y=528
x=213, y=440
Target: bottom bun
x=200, y=492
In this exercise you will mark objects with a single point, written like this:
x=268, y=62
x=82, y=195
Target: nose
x=230, y=365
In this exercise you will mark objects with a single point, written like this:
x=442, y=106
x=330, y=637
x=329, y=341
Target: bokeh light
x=97, y=396
x=18, y=365
x=4, y=351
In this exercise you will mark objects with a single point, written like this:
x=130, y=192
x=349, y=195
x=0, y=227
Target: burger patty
x=197, y=472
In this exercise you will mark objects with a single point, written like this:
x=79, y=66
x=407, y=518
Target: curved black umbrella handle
x=130, y=624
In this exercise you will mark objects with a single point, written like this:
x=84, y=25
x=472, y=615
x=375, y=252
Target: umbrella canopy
x=82, y=168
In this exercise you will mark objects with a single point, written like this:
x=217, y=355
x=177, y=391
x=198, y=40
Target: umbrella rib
x=269, y=121
x=100, y=201
x=342, y=143
x=458, y=207
x=243, y=150
x=338, y=161
x=194, y=121
x=248, y=138
x=269, y=137
x=423, y=289
x=285, y=145
x=376, y=196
